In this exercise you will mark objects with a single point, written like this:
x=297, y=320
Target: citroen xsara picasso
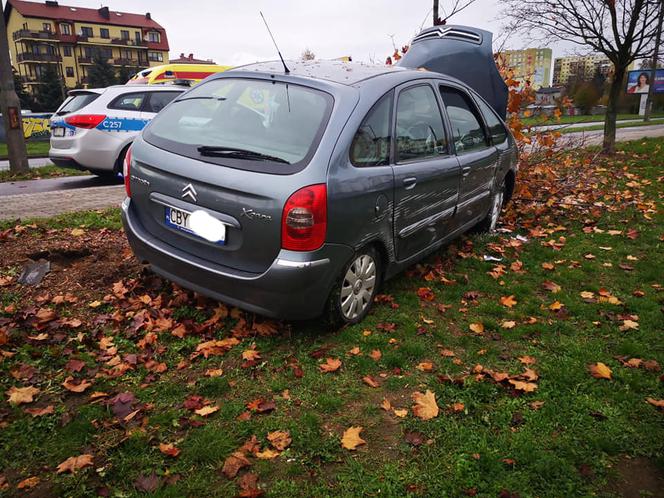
x=290, y=193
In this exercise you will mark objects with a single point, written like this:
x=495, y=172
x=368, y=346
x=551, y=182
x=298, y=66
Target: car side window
x=420, y=133
x=496, y=127
x=159, y=100
x=128, y=102
x=371, y=144
x=465, y=120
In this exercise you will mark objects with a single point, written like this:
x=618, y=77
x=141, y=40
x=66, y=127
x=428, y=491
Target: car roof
x=345, y=73
x=128, y=89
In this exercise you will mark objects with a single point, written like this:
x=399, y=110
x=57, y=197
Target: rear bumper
x=90, y=149
x=295, y=287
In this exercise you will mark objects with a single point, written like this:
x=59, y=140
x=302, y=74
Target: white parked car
x=93, y=129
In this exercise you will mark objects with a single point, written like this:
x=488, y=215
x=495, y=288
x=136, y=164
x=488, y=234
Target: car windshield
x=76, y=102
x=245, y=121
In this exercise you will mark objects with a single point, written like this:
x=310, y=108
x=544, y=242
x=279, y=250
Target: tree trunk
x=18, y=159
x=609, y=143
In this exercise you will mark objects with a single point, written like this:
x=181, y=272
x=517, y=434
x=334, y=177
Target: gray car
x=291, y=194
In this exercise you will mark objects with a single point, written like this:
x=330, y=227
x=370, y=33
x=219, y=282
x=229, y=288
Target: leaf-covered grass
x=590, y=224
x=50, y=171
x=544, y=120
x=35, y=148
x=618, y=125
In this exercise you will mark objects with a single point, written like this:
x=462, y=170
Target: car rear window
x=276, y=125
x=76, y=102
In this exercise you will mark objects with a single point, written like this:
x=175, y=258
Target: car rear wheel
x=353, y=295
x=489, y=223
x=105, y=174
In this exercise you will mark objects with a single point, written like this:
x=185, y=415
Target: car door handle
x=465, y=171
x=409, y=182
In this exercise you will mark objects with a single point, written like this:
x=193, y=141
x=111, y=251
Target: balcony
x=67, y=38
x=85, y=60
x=23, y=34
x=128, y=42
x=30, y=57
x=125, y=62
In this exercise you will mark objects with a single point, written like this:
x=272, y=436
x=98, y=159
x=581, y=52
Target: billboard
x=639, y=82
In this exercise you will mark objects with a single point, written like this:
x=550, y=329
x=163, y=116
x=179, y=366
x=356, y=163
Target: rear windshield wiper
x=217, y=151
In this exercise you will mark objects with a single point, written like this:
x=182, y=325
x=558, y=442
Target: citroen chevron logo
x=189, y=191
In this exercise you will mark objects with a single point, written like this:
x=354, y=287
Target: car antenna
x=286, y=70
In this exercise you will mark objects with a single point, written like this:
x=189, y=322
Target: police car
x=93, y=129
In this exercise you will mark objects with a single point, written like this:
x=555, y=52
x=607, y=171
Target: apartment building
x=530, y=64
x=579, y=68
x=70, y=38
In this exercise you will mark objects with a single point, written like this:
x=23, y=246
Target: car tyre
x=488, y=224
x=352, y=297
x=105, y=174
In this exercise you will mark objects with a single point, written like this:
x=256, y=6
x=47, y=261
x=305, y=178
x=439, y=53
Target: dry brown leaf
x=600, y=371
x=527, y=387
x=279, y=439
x=478, y=328
x=508, y=324
x=458, y=407
x=376, y=355
x=330, y=365
x=400, y=412
x=169, y=449
x=20, y=395
x=370, y=381
x=234, y=463
x=425, y=366
x=70, y=385
x=39, y=412
x=73, y=464
x=386, y=405
x=267, y=454
x=28, y=483
x=659, y=403
x=351, y=438
x=425, y=406
x=206, y=410
x=508, y=301
x=214, y=372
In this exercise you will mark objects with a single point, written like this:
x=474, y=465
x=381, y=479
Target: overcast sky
x=232, y=32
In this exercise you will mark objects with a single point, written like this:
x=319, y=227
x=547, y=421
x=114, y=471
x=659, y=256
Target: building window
x=126, y=54
x=103, y=32
x=47, y=27
x=155, y=56
x=153, y=36
x=124, y=34
x=87, y=32
x=69, y=71
x=66, y=50
x=65, y=29
x=137, y=36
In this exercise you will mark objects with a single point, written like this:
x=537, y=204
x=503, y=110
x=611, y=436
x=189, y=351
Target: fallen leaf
x=370, y=381
x=508, y=324
x=478, y=328
x=148, y=483
x=169, y=450
x=77, y=232
x=375, y=355
x=629, y=325
x=214, y=372
x=267, y=454
x=234, y=463
x=508, y=301
x=386, y=405
x=400, y=412
x=72, y=386
x=351, y=438
x=425, y=366
x=75, y=463
x=206, y=410
x=600, y=371
x=279, y=439
x=425, y=406
x=20, y=395
x=551, y=286
x=330, y=365
x=527, y=387
x=556, y=306
x=458, y=407
x=659, y=403
x=251, y=355
x=28, y=483
x=527, y=360
x=39, y=412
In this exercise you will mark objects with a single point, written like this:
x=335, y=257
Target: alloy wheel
x=358, y=286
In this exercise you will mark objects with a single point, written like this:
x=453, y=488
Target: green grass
x=37, y=148
x=571, y=446
x=50, y=171
x=618, y=125
x=103, y=218
x=543, y=120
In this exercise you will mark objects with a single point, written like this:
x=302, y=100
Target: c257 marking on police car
x=122, y=124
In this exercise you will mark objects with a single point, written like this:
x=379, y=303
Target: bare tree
x=307, y=55
x=620, y=29
x=457, y=6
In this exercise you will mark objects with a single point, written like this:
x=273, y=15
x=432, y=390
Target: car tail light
x=87, y=121
x=126, y=171
x=304, y=219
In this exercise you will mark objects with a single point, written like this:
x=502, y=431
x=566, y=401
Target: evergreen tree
x=124, y=73
x=50, y=91
x=23, y=95
x=101, y=74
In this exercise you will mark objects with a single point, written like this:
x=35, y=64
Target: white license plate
x=179, y=219
x=58, y=131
